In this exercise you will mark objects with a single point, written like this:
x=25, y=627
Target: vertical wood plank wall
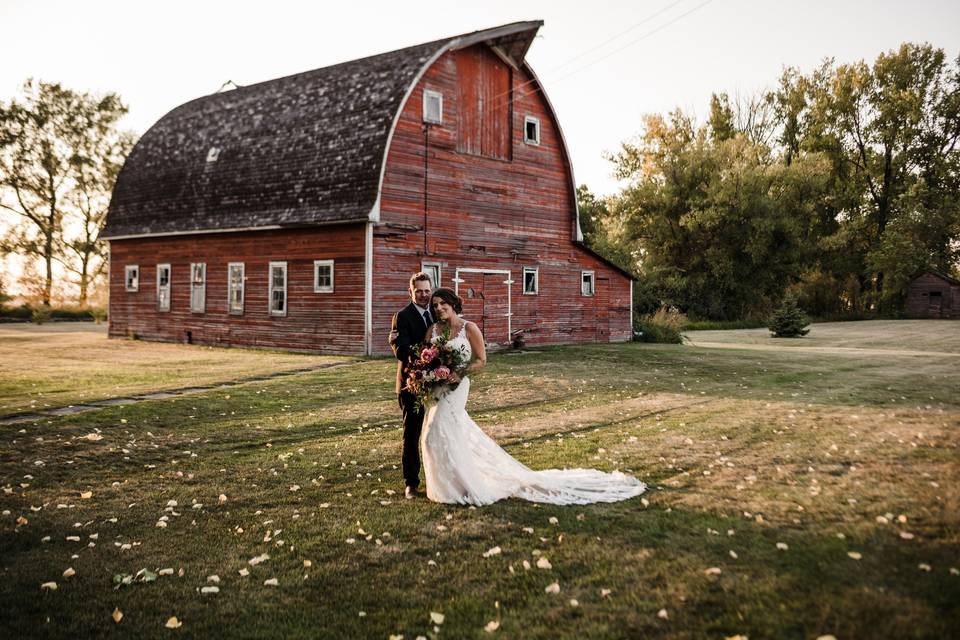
x=318, y=322
x=470, y=211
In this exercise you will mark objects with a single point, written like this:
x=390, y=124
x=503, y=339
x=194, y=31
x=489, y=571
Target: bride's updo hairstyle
x=448, y=296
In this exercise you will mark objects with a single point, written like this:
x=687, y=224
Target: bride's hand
x=454, y=379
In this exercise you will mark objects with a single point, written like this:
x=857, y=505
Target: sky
x=603, y=63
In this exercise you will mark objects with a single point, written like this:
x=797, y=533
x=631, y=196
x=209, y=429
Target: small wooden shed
x=290, y=213
x=933, y=295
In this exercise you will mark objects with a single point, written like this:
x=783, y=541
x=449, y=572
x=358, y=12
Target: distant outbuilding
x=933, y=295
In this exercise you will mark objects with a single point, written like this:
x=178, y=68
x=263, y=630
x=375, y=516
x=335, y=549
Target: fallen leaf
x=244, y=572
x=712, y=571
x=263, y=557
x=49, y=586
x=437, y=618
x=854, y=554
x=86, y=495
x=168, y=571
x=307, y=563
x=492, y=626
x=782, y=546
x=272, y=582
x=906, y=535
x=543, y=563
x=553, y=520
x=662, y=614
x=173, y=623
x=69, y=573
x=923, y=566
x=117, y=615
x=493, y=551
x=604, y=593
x=210, y=590
x=222, y=499
x=827, y=637
x=553, y=587
x=574, y=602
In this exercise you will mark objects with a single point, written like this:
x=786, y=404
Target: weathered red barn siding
x=319, y=322
x=483, y=212
x=943, y=303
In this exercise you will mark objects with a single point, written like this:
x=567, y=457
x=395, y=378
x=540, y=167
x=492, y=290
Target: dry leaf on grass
x=272, y=582
x=49, y=586
x=553, y=587
x=437, y=618
x=493, y=551
x=173, y=623
x=663, y=615
x=117, y=615
x=543, y=563
x=491, y=626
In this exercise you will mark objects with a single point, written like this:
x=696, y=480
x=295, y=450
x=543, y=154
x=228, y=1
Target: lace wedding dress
x=463, y=465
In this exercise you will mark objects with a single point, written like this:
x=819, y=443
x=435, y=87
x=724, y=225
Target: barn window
x=235, y=287
x=132, y=277
x=531, y=130
x=323, y=276
x=163, y=287
x=586, y=283
x=531, y=281
x=278, y=288
x=198, y=287
x=433, y=270
x=432, y=106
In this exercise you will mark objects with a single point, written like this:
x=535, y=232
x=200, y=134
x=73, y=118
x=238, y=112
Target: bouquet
x=431, y=365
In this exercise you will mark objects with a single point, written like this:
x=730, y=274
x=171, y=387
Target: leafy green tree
x=722, y=227
x=891, y=131
x=58, y=148
x=602, y=231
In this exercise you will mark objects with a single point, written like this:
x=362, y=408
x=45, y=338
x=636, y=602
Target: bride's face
x=442, y=310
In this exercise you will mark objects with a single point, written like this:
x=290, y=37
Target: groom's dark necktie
x=426, y=318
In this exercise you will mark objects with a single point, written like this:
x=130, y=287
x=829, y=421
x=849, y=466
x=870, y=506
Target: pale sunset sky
x=603, y=63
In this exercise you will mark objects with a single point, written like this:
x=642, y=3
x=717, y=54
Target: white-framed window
x=323, y=276
x=278, y=289
x=432, y=269
x=235, y=288
x=432, y=106
x=198, y=287
x=531, y=130
x=131, y=277
x=586, y=283
x=531, y=281
x=163, y=287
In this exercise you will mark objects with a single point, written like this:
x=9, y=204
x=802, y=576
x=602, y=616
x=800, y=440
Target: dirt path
x=835, y=350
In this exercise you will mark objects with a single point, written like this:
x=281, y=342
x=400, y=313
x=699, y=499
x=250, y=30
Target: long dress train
x=463, y=465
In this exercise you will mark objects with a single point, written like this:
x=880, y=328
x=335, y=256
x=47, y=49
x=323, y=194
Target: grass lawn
x=60, y=364
x=794, y=493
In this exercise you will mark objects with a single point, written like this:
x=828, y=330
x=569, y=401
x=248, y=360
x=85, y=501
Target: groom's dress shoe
x=410, y=492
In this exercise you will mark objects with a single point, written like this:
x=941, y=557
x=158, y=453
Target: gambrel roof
x=306, y=149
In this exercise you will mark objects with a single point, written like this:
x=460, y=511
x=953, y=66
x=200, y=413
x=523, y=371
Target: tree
x=602, y=230
x=55, y=144
x=891, y=131
x=722, y=228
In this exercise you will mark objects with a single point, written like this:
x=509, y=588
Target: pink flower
x=442, y=373
x=429, y=353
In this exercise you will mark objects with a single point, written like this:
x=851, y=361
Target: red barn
x=290, y=214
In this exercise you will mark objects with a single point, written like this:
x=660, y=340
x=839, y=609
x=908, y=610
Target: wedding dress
x=463, y=465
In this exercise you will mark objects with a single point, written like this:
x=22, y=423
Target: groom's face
x=420, y=293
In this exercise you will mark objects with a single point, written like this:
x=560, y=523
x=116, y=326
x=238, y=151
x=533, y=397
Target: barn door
x=486, y=301
x=602, y=301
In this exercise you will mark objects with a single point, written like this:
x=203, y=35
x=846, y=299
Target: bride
x=463, y=465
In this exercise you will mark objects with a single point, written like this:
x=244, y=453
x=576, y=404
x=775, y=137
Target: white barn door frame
x=507, y=281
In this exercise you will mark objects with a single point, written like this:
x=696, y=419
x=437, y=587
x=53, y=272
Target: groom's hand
x=393, y=336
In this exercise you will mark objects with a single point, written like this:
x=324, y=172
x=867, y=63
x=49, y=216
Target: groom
x=409, y=327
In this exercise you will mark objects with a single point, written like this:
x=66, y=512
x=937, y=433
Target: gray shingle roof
x=301, y=150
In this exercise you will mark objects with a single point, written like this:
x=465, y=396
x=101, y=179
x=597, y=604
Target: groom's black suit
x=411, y=328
